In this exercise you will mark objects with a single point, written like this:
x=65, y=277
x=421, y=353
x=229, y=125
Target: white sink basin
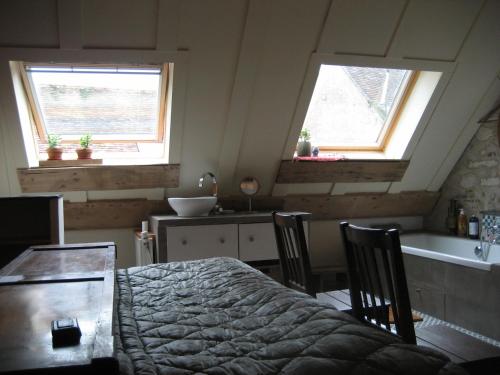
x=196, y=206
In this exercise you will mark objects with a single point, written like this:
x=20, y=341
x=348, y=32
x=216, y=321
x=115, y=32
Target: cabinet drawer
x=204, y=241
x=257, y=242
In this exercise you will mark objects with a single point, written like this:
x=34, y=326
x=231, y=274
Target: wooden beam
x=364, y=205
x=128, y=213
x=105, y=177
x=341, y=171
x=110, y=214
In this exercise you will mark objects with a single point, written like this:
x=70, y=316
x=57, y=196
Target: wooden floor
x=458, y=346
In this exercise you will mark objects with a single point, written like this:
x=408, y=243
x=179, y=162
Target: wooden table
x=52, y=282
x=458, y=346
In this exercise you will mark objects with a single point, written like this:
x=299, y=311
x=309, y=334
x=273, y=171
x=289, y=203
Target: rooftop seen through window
x=354, y=108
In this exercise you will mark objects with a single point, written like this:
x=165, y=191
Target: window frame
x=425, y=96
x=35, y=109
x=389, y=125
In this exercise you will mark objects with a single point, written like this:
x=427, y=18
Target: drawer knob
x=251, y=238
x=222, y=240
x=184, y=242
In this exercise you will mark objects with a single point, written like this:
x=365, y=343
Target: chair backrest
x=293, y=253
x=377, y=279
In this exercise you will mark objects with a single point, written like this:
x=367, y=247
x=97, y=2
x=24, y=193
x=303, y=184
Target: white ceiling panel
x=30, y=23
x=120, y=23
x=363, y=27
x=434, y=29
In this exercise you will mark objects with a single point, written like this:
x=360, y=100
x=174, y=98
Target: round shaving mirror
x=249, y=186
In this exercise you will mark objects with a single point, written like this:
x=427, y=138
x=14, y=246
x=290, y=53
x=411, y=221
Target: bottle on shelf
x=474, y=228
x=462, y=224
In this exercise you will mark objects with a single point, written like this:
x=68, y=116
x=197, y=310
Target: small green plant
x=85, y=140
x=53, y=140
x=305, y=135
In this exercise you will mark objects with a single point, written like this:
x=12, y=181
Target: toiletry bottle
x=474, y=228
x=462, y=224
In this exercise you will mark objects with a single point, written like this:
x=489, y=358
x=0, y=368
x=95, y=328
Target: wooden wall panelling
x=342, y=171
x=364, y=205
x=109, y=177
x=128, y=213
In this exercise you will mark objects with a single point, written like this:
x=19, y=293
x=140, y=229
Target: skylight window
x=113, y=103
x=356, y=108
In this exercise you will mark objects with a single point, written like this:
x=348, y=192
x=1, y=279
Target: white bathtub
x=448, y=249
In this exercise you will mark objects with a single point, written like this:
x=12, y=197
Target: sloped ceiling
x=247, y=61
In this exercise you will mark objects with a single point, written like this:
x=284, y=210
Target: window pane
x=110, y=105
x=351, y=105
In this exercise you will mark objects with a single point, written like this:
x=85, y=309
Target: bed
x=220, y=316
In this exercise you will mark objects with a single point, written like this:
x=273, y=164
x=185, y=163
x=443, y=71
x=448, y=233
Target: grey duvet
x=220, y=316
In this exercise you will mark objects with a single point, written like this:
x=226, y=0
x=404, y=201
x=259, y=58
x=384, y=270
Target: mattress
x=220, y=316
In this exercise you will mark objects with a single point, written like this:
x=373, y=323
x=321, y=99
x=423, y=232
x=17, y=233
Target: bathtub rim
x=431, y=254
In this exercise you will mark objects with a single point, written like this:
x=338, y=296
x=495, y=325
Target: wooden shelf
x=98, y=177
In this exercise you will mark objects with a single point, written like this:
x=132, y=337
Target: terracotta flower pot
x=84, y=153
x=55, y=153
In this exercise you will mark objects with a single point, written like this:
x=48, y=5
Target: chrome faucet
x=493, y=237
x=214, y=182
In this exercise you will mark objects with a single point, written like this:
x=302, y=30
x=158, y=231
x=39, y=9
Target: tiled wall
x=474, y=181
x=490, y=219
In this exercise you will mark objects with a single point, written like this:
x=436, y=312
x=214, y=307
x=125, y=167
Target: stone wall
x=474, y=181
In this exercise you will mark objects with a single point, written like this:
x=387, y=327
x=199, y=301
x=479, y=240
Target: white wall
x=244, y=71
x=326, y=244
x=123, y=238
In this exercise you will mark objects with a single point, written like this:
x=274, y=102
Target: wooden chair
x=293, y=254
x=377, y=279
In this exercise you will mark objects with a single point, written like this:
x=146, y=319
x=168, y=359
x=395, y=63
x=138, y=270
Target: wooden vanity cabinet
x=257, y=242
x=201, y=241
x=248, y=237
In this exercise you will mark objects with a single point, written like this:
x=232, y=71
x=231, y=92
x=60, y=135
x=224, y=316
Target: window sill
x=68, y=163
x=318, y=158
x=98, y=177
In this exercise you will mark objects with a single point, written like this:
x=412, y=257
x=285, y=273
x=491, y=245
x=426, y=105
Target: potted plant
x=304, y=144
x=54, y=150
x=85, y=152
